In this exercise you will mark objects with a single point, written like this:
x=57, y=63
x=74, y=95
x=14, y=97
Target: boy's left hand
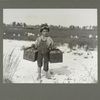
x=33, y=45
x=22, y=48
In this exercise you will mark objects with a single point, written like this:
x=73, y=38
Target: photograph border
x=47, y=91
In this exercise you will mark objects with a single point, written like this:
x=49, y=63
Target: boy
x=44, y=44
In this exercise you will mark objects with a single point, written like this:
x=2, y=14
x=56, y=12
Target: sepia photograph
x=50, y=46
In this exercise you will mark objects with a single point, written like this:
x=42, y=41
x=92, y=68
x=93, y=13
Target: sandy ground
x=78, y=66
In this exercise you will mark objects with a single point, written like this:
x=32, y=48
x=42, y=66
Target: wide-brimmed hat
x=44, y=26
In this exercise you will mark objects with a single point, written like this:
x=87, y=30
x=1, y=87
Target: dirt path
x=74, y=69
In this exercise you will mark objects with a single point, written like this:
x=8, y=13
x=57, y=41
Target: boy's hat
x=44, y=26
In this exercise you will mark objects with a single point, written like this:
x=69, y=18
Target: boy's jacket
x=49, y=42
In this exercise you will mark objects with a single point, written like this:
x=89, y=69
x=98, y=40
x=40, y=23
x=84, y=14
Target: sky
x=63, y=17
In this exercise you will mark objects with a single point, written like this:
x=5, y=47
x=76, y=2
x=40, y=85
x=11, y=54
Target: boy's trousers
x=43, y=60
x=43, y=55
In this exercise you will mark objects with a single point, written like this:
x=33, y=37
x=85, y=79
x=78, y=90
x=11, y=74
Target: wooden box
x=30, y=54
x=55, y=56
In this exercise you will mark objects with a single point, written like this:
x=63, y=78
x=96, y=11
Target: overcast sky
x=64, y=17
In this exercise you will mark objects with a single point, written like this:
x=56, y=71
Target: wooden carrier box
x=56, y=56
x=30, y=54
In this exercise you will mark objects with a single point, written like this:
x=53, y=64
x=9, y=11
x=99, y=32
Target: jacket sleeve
x=50, y=42
x=37, y=42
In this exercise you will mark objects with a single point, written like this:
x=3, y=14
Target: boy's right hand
x=22, y=48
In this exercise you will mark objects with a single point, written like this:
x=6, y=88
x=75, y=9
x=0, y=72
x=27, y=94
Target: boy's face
x=44, y=32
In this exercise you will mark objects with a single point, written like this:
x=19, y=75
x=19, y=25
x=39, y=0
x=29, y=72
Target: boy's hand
x=33, y=45
x=52, y=48
x=22, y=48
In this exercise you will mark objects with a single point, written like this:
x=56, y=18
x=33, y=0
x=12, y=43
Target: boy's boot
x=47, y=75
x=39, y=73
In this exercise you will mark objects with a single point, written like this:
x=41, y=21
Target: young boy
x=44, y=44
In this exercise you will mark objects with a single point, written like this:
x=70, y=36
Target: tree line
x=73, y=35
x=20, y=24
